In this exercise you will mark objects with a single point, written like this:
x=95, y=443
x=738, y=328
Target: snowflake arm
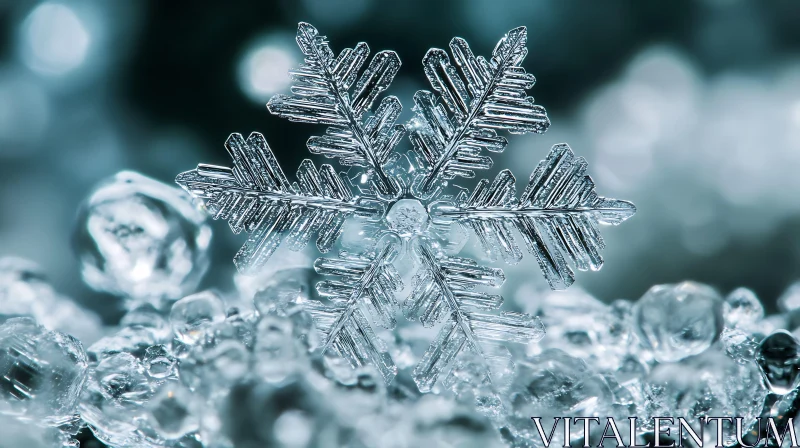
x=254, y=196
x=366, y=283
x=321, y=94
x=444, y=291
x=557, y=216
x=488, y=96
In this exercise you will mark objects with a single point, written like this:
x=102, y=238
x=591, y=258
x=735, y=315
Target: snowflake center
x=407, y=217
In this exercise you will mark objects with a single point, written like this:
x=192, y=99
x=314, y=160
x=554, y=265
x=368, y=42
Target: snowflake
x=402, y=199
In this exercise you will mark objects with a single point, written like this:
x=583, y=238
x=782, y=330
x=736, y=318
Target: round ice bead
x=213, y=370
x=159, y=362
x=679, y=320
x=790, y=299
x=113, y=399
x=778, y=357
x=742, y=307
x=42, y=373
x=142, y=239
x=192, y=315
x=146, y=319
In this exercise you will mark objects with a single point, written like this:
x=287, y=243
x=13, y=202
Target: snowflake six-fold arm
x=557, y=215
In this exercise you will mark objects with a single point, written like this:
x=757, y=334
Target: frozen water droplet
x=42, y=373
x=407, y=217
x=122, y=377
x=142, y=239
x=679, y=320
x=279, y=294
x=159, y=362
x=293, y=429
x=114, y=395
x=778, y=358
x=283, y=297
x=147, y=319
x=790, y=299
x=742, y=307
x=172, y=412
x=192, y=315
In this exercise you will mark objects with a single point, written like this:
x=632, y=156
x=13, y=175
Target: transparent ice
x=742, y=308
x=192, y=315
x=554, y=384
x=408, y=222
x=695, y=321
x=141, y=239
x=708, y=385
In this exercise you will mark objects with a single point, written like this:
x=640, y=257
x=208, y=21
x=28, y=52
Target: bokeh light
x=263, y=70
x=55, y=40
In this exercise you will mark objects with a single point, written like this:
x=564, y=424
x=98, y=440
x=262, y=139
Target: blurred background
x=692, y=112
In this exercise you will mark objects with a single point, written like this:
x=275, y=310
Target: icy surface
x=709, y=385
x=141, y=239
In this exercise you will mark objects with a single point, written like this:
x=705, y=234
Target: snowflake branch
x=557, y=216
x=366, y=283
x=254, y=196
x=492, y=97
x=321, y=95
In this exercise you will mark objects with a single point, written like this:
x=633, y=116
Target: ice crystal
x=407, y=220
